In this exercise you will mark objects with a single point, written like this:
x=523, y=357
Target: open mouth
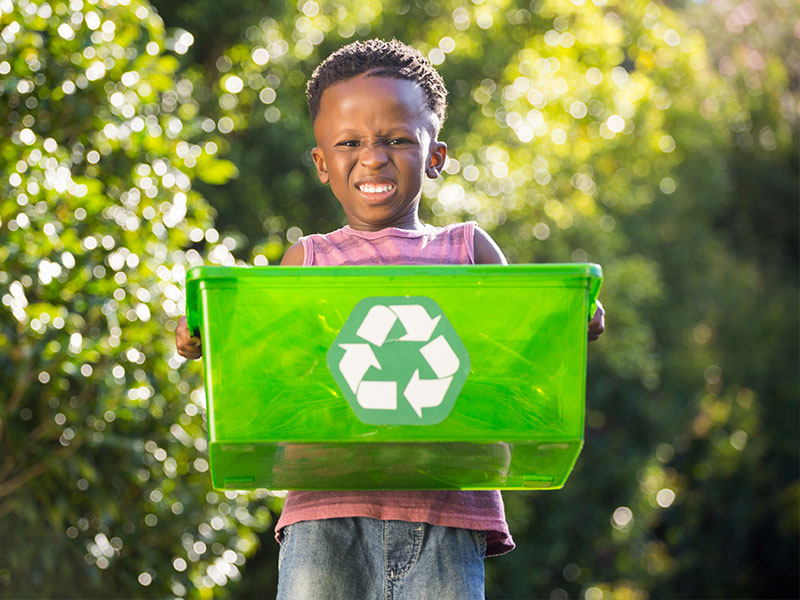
x=375, y=188
x=376, y=192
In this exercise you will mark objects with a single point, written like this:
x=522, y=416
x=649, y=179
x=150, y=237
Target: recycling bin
x=393, y=377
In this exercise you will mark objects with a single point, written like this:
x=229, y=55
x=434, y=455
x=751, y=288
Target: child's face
x=376, y=140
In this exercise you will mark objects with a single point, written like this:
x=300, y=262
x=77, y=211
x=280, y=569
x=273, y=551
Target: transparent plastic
x=284, y=410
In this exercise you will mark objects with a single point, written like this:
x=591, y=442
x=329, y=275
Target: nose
x=373, y=156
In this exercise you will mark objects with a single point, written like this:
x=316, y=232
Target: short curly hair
x=382, y=59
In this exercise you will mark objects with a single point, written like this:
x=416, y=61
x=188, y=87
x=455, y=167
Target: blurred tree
x=103, y=482
x=622, y=133
x=733, y=459
x=600, y=132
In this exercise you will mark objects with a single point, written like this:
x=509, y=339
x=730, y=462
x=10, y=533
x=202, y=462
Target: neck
x=410, y=222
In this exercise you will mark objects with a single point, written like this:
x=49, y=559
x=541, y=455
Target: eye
x=398, y=141
x=348, y=143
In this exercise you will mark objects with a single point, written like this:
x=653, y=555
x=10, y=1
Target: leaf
x=216, y=171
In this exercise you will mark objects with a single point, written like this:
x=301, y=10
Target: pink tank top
x=481, y=510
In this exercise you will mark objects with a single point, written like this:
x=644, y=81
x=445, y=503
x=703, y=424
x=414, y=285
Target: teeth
x=370, y=188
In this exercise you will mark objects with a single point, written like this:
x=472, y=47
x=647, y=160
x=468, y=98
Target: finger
x=595, y=331
x=186, y=344
x=183, y=335
x=596, y=325
x=189, y=353
x=599, y=315
x=596, y=328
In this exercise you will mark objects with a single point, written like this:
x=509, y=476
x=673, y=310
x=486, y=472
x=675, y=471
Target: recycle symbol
x=398, y=361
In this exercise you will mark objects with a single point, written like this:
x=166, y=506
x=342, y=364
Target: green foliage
x=660, y=143
x=103, y=480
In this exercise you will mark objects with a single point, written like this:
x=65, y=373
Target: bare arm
x=487, y=252
x=294, y=255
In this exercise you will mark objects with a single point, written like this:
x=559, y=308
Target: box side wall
x=269, y=387
x=527, y=357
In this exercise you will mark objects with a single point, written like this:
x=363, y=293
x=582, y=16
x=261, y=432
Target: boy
x=377, y=109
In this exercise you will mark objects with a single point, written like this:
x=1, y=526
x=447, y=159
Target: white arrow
x=357, y=360
x=378, y=394
x=440, y=357
x=377, y=324
x=418, y=324
x=425, y=393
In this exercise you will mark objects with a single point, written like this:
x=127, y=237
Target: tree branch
x=17, y=393
x=19, y=390
x=25, y=476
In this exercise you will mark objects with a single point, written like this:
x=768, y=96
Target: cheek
x=339, y=171
x=414, y=162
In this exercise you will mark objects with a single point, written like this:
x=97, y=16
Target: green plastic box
x=395, y=377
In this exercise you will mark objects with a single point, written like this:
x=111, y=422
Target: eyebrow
x=404, y=131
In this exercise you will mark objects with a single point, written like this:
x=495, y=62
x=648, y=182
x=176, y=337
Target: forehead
x=374, y=100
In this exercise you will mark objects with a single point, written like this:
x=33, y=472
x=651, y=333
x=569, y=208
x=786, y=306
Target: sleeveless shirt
x=481, y=510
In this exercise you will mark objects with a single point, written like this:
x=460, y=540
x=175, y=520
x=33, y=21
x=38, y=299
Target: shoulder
x=315, y=248
x=487, y=252
x=294, y=256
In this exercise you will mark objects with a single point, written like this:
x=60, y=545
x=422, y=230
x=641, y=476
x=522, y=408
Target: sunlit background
x=659, y=139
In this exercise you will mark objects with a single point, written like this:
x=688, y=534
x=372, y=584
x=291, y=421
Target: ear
x=319, y=162
x=437, y=156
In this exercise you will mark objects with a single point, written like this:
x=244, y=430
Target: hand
x=597, y=324
x=187, y=346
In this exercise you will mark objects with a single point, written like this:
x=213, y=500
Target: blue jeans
x=357, y=558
